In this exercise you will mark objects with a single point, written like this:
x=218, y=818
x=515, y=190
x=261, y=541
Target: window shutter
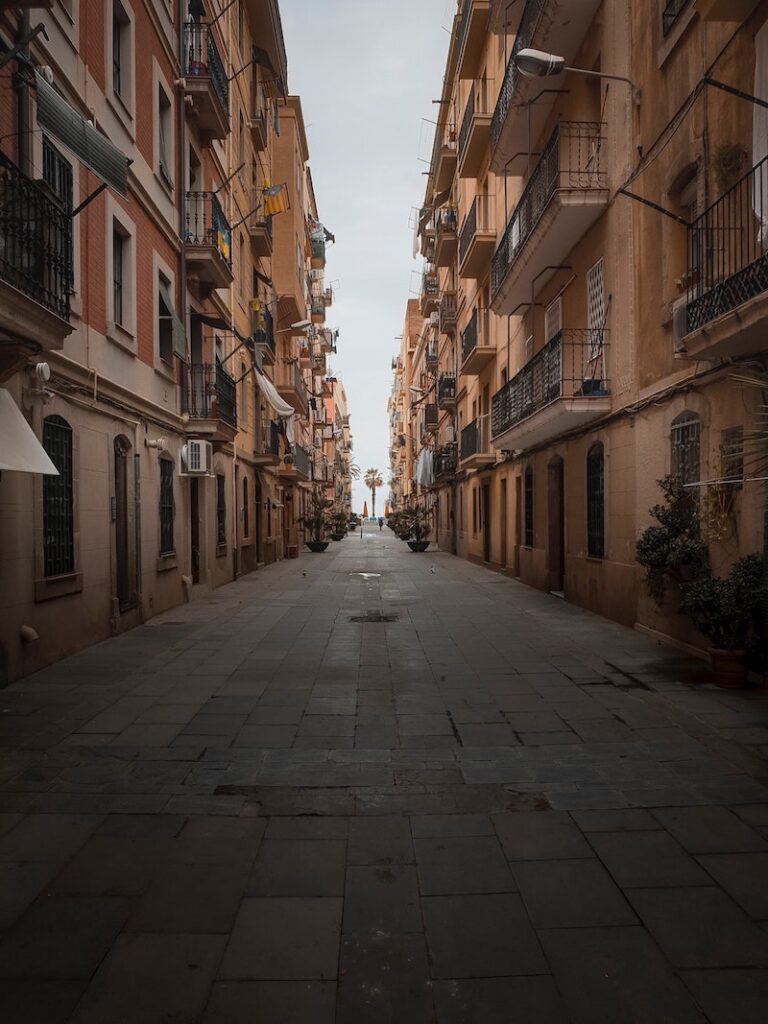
x=553, y=319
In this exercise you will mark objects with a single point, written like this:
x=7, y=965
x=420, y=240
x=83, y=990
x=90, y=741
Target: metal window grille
x=166, y=507
x=732, y=455
x=221, y=509
x=595, y=306
x=58, y=498
x=118, y=249
x=117, y=55
x=686, y=447
x=528, y=499
x=672, y=11
x=57, y=173
x=553, y=319
x=596, y=501
x=246, y=520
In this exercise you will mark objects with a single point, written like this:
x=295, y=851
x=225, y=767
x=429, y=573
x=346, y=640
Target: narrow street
x=375, y=786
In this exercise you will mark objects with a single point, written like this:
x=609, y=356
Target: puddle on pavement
x=366, y=575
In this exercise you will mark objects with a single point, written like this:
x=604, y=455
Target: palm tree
x=373, y=480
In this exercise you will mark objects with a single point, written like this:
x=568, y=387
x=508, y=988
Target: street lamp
x=302, y=325
x=538, y=64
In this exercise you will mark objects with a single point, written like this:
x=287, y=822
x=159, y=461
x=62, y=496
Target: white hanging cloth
x=425, y=468
x=282, y=408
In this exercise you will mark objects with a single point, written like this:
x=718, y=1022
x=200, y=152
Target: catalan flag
x=276, y=199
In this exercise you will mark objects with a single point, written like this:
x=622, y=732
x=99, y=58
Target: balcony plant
x=726, y=611
x=672, y=552
x=316, y=521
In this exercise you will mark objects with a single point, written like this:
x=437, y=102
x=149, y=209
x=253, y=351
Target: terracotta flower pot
x=418, y=545
x=317, y=547
x=730, y=668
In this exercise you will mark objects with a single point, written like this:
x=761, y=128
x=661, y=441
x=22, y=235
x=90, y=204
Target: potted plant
x=316, y=522
x=672, y=550
x=339, y=524
x=419, y=528
x=725, y=611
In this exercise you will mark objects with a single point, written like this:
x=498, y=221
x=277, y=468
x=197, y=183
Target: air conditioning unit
x=196, y=458
x=434, y=319
x=679, y=326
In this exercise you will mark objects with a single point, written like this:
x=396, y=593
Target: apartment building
x=586, y=338
x=148, y=449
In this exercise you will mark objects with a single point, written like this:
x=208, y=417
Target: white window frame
x=161, y=269
x=161, y=87
x=123, y=102
x=123, y=334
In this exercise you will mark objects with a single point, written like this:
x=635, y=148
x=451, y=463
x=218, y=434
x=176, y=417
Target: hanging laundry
x=276, y=199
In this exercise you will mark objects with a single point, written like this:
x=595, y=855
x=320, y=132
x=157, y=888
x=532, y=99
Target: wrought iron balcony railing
x=476, y=105
x=446, y=388
x=35, y=240
x=206, y=226
x=570, y=365
x=445, y=461
x=202, y=60
x=264, y=330
x=430, y=356
x=447, y=311
x=430, y=285
x=478, y=219
x=728, y=250
x=471, y=336
x=473, y=440
x=302, y=462
x=529, y=22
x=209, y=393
x=672, y=11
x=572, y=159
x=430, y=415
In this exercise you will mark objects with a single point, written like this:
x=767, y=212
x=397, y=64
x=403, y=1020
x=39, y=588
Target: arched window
x=528, y=501
x=58, y=500
x=686, y=447
x=246, y=523
x=596, y=501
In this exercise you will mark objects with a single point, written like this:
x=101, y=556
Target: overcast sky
x=367, y=72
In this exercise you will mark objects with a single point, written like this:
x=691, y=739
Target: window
x=166, y=507
x=57, y=173
x=242, y=402
x=118, y=267
x=732, y=455
x=596, y=501
x=246, y=521
x=553, y=319
x=121, y=28
x=164, y=322
x=528, y=501
x=221, y=509
x=595, y=308
x=474, y=510
x=686, y=447
x=58, y=500
x=164, y=136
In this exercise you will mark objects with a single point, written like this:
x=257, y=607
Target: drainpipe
x=182, y=192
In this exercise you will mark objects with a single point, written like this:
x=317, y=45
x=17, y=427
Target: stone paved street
x=490, y=807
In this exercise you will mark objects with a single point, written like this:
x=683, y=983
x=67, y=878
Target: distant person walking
x=381, y=523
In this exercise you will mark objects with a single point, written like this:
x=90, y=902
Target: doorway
x=556, y=509
x=486, y=514
x=504, y=522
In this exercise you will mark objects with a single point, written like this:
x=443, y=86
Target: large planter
x=317, y=547
x=730, y=668
x=418, y=545
x=338, y=536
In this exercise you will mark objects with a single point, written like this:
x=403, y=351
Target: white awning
x=284, y=411
x=20, y=451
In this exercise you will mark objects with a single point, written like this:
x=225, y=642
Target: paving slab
x=491, y=1000
x=571, y=894
x=383, y=978
x=462, y=864
x=271, y=1002
x=647, y=859
x=730, y=996
x=298, y=867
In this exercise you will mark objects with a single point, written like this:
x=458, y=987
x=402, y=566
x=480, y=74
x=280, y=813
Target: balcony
x=208, y=397
x=565, y=195
x=260, y=227
x=475, y=132
x=447, y=310
x=317, y=310
x=317, y=247
x=319, y=365
x=290, y=384
x=205, y=80
x=470, y=37
x=430, y=417
x=478, y=239
x=302, y=464
x=563, y=387
x=35, y=268
x=264, y=336
x=430, y=292
x=544, y=25
x=447, y=240
x=431, y=358
x=446, y=391
x=207, y=240
x=445, y=168
x=476, y=353
x=727, y=301
x=328, y=297
x=258, y=120
x=445, y=462
x=475, y=451
x=267, y=452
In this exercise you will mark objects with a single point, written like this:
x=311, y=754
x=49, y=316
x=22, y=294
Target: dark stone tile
x=540, y=835
x=63, y=937
x=607, y=975
x=466, y=864
x=709, y=830
x=191, y=898
x=480, y=937
x=20, y=885
x=147, y=735
x=327, y=725
x=308, y=828
x=487, y=736
x=266, y=736
x=214, y=725
x=47, y=837
x=275, y=716
x=730, y=997
x=38, y=1002
x=700, y=927
x=482, y=714
x=284, y=939
x=152, y=979
x=632, y=819
x=141, y=826
x=272, y=1002
x=646, y=859
x=424, y=725
x=744, y=876
x=384, y=978
x=298, y=867
x=380, y=841
x=491, y=1000
x=548, y=739
x=753, y=814
x=571, y=894
x=384, y=898
x=425, y=826
x=9, y=821
x=536, y=721
x=108, y=866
